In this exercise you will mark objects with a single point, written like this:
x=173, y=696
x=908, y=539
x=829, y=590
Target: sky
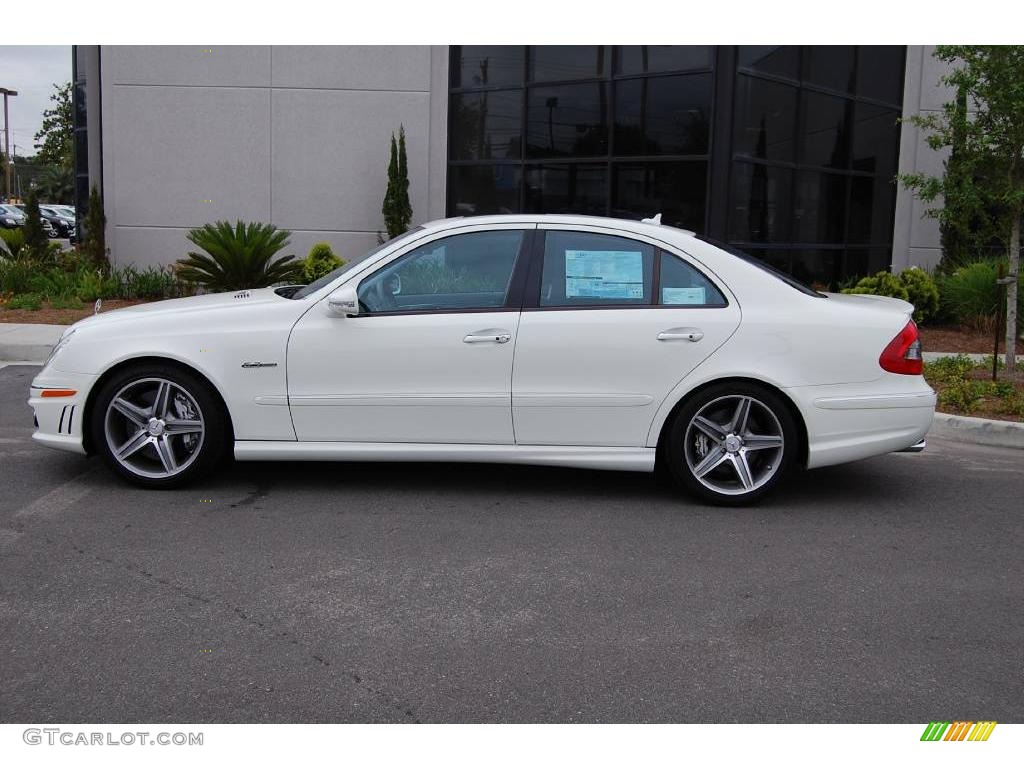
x=31, y=70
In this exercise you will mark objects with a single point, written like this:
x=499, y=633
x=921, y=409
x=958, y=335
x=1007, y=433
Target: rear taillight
x=903, y=354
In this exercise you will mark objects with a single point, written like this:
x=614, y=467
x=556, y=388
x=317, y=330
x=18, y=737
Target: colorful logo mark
x=960, y=730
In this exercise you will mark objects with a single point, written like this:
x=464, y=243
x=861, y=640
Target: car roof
x=660, y=231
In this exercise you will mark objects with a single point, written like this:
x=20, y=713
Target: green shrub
x=948, y=370
x=971, y=295
x=25, y=301
x=15, y=240
x=913, y=285
x=922, y=292
x=16, y=276
x=37, y=243
x=962, y=395
x=149, y=283
x=65, y=301
x=320, y=261
x=238, y=257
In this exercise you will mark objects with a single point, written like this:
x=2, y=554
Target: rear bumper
x=844, y=425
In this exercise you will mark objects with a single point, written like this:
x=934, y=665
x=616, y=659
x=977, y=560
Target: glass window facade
x=786, y=151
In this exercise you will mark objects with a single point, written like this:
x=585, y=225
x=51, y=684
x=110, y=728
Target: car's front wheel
x=732, y=443
x=159, y=426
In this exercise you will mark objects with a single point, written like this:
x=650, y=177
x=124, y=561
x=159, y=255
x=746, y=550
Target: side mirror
x=344, y=302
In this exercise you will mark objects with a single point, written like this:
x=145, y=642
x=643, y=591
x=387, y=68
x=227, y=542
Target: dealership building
x=789, y=152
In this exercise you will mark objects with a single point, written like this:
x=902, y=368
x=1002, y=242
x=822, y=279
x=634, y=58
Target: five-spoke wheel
x=159, y=425
x=730, y=443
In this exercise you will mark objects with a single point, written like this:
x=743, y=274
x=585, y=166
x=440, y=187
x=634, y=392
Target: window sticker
x=683, y=295
x=604, y=275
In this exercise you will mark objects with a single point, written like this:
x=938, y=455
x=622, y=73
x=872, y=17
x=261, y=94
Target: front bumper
x=60, y=420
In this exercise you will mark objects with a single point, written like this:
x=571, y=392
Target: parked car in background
x=62, y=222
x=636, y=345
x=47, y=226
x=11, y=217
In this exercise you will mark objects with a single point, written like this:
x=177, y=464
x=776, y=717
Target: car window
x=682, y=285
x=467, y=271
x=586, y=269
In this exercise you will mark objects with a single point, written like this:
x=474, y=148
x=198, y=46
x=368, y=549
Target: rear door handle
x=492, y=336
x=681, y=334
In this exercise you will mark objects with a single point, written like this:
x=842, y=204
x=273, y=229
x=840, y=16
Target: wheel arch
x=116, y=368
x=791, y=405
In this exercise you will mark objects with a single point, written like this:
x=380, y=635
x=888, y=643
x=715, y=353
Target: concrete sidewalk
x=28, y=341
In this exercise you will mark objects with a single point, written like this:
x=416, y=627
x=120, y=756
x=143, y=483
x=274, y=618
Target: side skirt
x=583, y=457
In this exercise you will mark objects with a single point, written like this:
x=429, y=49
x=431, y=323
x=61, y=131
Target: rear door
x=611, y=323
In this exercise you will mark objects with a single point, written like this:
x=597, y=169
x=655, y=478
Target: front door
x=429, y=357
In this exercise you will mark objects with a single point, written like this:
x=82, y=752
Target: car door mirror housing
x=344, y=302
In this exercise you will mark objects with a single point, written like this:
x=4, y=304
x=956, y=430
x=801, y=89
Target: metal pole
x=7, y=140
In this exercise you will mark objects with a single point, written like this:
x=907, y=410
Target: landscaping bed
x=966, y=388
x=956, y=339
x=47, y=314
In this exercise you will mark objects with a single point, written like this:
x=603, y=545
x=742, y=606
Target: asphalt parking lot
x=891, y=590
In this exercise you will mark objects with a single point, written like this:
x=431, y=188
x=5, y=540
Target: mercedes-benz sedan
x=559, y=340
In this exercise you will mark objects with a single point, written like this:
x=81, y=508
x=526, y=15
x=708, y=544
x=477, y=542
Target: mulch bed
x=52, y=316
x=954, y=339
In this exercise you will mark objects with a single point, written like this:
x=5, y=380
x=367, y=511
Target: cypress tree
x=396, y=207
x=94, y=244
x=37, y=243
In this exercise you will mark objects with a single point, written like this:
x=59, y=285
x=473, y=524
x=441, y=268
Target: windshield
x=330, y=277
x=787, y=279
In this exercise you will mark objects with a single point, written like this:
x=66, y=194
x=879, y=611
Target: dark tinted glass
x=876, y=136
x=824, y=136
x=819, y=207
x=568, y=62
x=681, y=284
x=470, y=271
x=774, y=59
x=765, y=118
x=475, y=66
x=486, y=125
x=79, y=105
x=475, y=190
x=880, y=72
x=663, y=115
x=637, y=59
x=676, y=190
x=760, y=205
x=830, y=66
x=585, y=269
x=568, y=120
x=818, y=269
x=575, y=188
x=871, y=209
x=81, y=149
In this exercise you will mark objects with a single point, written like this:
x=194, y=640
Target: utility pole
x=7, y=140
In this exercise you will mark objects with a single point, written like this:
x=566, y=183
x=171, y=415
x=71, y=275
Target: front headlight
x=61, y=343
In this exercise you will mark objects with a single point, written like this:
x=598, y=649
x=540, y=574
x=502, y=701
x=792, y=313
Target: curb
x=970, y=429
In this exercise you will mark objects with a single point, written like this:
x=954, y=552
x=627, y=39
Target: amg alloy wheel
x=159, y=426
x=732, y=443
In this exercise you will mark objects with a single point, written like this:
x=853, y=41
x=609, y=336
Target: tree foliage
x=94, y=242
x=238, y=257
x=397, y=209
x=984, y=128
x=55, y=140
x=37, y=242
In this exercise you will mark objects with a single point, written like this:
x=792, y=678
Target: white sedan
x=559, y=340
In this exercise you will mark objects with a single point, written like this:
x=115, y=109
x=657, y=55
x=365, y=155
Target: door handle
x=494, y=337
x=681, y=334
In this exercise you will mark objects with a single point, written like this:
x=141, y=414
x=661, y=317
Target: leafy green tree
x=990, y=146
x=238, y=257
x=57, y=184
x=55, y=140
x=37, y=242
x=397, y=209
x=94, y=242
x=320, y=261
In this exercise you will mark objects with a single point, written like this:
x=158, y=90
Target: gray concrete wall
x=915, y=236
x=296, y=136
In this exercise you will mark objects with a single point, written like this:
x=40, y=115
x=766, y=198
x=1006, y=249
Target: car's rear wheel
x=732, y=443
x=159, y=426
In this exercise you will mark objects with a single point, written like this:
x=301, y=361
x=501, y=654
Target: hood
x=868, y=301
x=249, y=297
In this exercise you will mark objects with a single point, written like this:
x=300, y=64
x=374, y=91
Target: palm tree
x=238, y=257
x=56, y=185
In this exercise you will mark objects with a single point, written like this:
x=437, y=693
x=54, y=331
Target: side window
x=468, y=271
x=682, y=285
x=584, y=269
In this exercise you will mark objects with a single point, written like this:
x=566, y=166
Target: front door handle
x=681, y=334
x=490, y=335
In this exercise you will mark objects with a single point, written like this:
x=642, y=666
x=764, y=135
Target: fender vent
x=242, y=295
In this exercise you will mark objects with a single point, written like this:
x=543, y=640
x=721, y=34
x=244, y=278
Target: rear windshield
x=787, y=279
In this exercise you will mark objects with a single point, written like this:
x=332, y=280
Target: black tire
x=214, y=442
x=688, y=444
